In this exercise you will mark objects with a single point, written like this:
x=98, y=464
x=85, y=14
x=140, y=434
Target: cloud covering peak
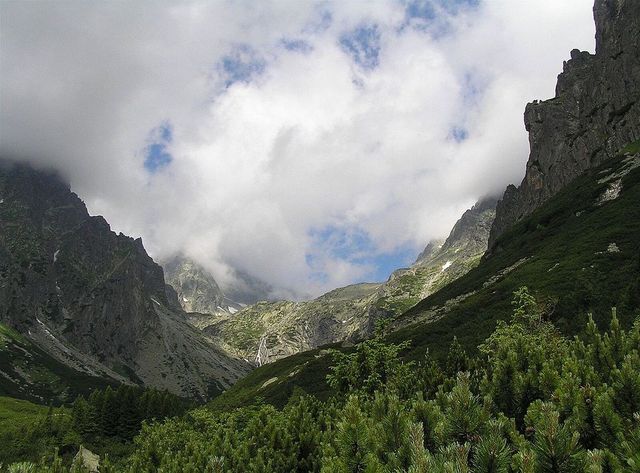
x=309, y=144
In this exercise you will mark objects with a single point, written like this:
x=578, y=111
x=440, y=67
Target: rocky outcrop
x=468, y=236
x=74, y=286
x=595, y=112
x=267, y=331
x=195, y=288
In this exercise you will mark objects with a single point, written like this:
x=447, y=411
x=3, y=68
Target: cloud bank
x=309, y=144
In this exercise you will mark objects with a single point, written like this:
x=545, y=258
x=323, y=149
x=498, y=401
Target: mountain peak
x=596, y=111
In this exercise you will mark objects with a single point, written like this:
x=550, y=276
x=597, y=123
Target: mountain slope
x=28, y=372
x=91, y=299
x=571, y=231
x=595, y=112
x=441, y=263
x=579, y=253
x=268, y=331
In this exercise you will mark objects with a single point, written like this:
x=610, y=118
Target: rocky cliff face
x=88, y=296
x=195, y=288
x=267, y=331
x=595, y=112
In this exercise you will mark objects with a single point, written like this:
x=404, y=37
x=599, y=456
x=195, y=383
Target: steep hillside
x=579, y=254
x=440, y=262
x=595, y=112
x=571, y=231
x=28, y=372
x=91, y=299
x=268, y=331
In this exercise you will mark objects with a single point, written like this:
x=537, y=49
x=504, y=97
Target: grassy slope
x=26, y=372
x=17, y=411
x=568, y=265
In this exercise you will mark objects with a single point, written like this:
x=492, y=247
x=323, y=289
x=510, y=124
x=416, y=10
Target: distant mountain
x=267, y=331
x=89, y=299
x=594, y=114
x=441, y=262
x=196, y=289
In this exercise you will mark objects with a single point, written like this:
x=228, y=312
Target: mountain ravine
x=267, y=331
x=91, y=299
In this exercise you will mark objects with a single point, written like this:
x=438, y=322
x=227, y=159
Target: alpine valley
x=511, y=345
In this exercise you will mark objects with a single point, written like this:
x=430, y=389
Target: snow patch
x=612, y=192
x=55, y=255
x=184, y=299
x=268, y=382
x=446, y=265
x=628, y=164
x=613, y=248
x=232, y=309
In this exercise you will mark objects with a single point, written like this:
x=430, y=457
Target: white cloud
x=312, y=142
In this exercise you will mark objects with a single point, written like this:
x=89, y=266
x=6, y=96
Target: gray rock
x=74, y=286
x=595, y=112
x=195, y=287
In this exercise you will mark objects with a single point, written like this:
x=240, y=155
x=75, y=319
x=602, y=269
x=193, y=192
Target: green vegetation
x=632, y=148
x=106, y=422
x=530, y=401
x=561, y=252
x=503, y=370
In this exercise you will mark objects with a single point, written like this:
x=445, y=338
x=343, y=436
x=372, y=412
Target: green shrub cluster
x=106, y=421
x=532, y=401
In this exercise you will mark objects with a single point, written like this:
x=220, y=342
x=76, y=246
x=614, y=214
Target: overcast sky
x=311, y=144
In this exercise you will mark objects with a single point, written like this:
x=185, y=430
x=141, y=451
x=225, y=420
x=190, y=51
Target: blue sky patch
x=459, y=134
x=431, y=15
x=421, y=9
x=428, y=9
x=296, y=45
x=363, y=45
x=241, y=65
x=356, y=247
x=156, y=155
x=473, y=88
